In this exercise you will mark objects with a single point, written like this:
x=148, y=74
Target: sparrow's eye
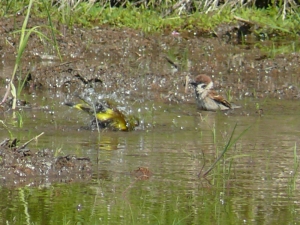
x=203, y=86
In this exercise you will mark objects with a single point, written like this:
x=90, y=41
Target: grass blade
x=226, y=148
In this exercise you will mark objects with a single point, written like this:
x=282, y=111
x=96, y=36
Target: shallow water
x=256, y=183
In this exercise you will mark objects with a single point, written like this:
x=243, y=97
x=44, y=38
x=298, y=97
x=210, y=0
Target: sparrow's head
x=202, y=82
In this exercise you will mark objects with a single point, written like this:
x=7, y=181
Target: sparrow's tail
x=233, y=106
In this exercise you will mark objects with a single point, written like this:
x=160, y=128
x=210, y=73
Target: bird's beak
x=193, y=83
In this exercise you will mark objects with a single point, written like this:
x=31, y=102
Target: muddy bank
x=128, y=62
x=22, y=166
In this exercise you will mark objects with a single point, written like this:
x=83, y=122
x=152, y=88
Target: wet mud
x=20, y=166
x=127, y=61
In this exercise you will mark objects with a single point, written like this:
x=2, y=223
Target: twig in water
x=25, y=144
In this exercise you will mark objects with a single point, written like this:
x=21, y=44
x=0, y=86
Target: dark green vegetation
x=265, y=19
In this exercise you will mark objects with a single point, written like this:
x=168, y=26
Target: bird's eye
x=203, y=85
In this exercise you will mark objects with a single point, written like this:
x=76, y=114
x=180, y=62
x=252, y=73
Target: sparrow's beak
x=193, y=83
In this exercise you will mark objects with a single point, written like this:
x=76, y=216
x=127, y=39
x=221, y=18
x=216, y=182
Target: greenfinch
x=107, y=116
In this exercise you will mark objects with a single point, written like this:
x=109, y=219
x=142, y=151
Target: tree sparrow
x=207, y=99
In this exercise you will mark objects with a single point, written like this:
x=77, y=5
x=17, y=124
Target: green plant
x=293, y=178
x=52, y=28
x=24, y=37
x=229, y=95
x=6, y=127
x=213, y=129
x=20, y=121
x=257, y=106
x=229, y=144
x=22, y=44
x=21, y=84
x=58, y=151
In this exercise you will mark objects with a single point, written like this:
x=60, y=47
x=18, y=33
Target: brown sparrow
x=207, y=99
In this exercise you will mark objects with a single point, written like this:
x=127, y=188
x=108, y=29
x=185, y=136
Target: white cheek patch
x=209, y=86
x=201, y=90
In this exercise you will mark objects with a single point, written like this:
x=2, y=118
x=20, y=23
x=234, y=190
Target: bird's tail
x=80, y=106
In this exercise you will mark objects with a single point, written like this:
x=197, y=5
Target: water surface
x=256, y=183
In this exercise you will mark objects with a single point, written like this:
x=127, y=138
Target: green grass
x=228, y=145
x=156, y=16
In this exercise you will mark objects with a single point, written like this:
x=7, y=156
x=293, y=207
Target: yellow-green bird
x=107, y=116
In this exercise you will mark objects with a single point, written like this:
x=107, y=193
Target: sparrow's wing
x=219, y=99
